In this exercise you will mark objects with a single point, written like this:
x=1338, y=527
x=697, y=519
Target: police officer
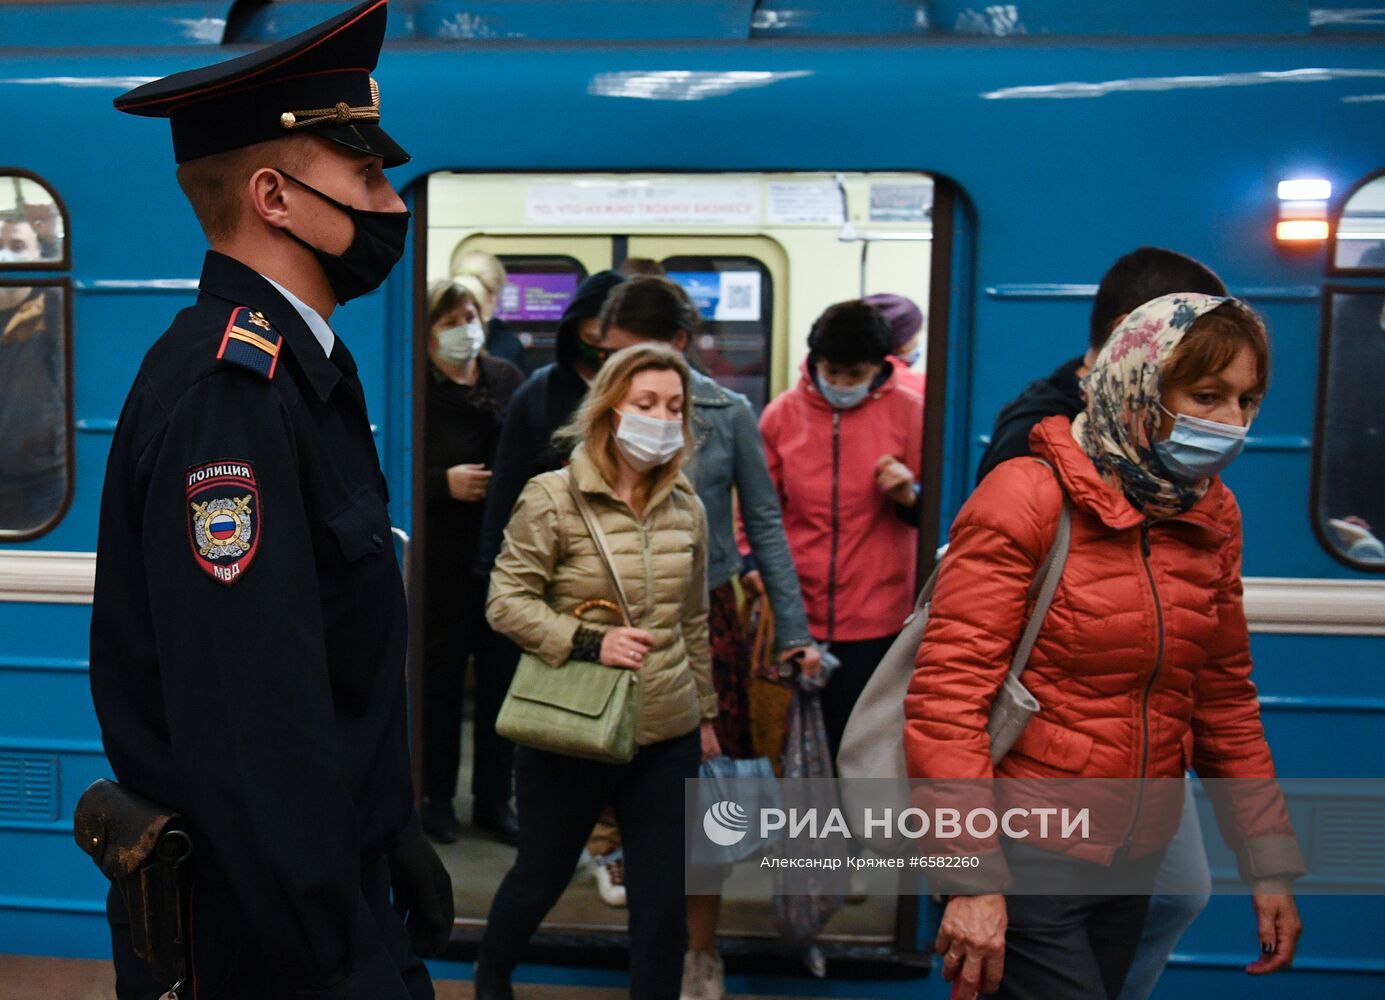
x=249, y=625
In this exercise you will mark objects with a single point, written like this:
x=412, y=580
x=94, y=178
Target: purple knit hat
x=904, y=317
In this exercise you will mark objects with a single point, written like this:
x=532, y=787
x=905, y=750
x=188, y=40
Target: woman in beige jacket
x=633, y=431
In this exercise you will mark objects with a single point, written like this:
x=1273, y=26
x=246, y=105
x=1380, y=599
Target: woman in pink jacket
x=844, y=447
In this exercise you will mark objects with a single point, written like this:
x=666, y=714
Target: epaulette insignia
x=251, y=342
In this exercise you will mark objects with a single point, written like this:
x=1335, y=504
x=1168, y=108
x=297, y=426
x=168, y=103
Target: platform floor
x=24, y=977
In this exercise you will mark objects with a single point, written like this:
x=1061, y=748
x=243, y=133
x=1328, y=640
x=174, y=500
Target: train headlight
x=1303, y=210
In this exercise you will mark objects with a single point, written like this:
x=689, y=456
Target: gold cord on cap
x=339, y=114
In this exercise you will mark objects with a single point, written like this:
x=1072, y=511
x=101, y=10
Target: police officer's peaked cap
x=315, y=83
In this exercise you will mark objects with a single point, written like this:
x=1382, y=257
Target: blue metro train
x=990, y=160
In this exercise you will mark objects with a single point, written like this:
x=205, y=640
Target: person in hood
x=545, y=402
x=1136, y=278
x=1141, y=668
x=844, y=448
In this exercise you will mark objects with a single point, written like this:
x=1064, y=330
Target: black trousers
x=455, y=630
x=844, y=687
x=228, y=963
x=559, y=798
x=1074, y=947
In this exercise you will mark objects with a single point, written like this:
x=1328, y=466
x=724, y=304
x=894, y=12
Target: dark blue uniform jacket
x=248, y=635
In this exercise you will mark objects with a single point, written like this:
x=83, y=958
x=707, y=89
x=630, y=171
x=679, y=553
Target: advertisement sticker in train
x=224, y=517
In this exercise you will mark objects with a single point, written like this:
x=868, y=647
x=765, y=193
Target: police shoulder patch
x=224, y=517
x=249, y=341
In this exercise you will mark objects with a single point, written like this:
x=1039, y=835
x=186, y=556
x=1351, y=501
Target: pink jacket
x=854, y=552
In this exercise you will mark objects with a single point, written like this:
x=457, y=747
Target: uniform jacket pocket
x=361, y=525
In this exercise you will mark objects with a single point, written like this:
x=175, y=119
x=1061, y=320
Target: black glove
x=422, y=893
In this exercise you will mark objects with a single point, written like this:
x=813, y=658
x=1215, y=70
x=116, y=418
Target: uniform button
x=377, y=541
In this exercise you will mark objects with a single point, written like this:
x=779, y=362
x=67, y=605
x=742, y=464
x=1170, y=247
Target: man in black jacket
x=248, y=624
x=1135, y=279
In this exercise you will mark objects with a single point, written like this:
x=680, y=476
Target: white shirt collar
x=321, y=331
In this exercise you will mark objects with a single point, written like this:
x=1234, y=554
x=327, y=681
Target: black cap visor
x=364, y=137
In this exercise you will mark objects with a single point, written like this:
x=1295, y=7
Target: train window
x=1349, y=486
x=33, y=231
x=1360, y=233
x=735, y=296
x=537, y=290
x=34, y=400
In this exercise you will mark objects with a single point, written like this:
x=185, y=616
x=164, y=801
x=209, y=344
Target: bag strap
x=603, y=547
x=1045, y=582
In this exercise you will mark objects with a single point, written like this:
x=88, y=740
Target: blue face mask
x=1199, y=449
x=844, y=397
x=912, y=357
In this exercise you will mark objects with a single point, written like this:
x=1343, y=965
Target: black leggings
x=558, y=799
x=455, y=630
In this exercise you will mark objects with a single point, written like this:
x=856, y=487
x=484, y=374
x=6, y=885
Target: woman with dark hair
x=1142, y=665
x=632, y=434
x=844, y=448
x=465, y=395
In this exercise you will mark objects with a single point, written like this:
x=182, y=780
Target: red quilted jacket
x=1142, y=667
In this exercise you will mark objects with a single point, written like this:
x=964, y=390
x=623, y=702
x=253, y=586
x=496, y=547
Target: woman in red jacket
x=1142, y=665
x=843, y=448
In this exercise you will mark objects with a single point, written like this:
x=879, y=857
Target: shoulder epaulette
x=251, y=342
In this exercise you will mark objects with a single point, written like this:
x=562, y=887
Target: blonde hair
x=488, y=275
x=215, y=185
x=593, y=425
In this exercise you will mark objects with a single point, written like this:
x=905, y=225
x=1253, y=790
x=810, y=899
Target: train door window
x=735, y=298
x=1349, y=480
x=35, y=362
x=537, y=290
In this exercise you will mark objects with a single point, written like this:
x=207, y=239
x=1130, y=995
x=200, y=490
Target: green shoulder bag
x=580, y=709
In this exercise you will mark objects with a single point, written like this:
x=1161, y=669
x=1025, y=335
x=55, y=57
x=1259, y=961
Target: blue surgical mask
x=912, y=358
x=842, y=397
x=1199, y=449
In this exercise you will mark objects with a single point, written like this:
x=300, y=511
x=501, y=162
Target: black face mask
x=374, y=250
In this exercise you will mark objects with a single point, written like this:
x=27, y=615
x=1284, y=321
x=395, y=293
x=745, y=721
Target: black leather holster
x=144, y=850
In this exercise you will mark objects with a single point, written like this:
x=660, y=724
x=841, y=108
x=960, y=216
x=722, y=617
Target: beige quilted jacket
x=549, y=564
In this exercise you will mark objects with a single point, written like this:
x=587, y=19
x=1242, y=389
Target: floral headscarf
x=1121, y=422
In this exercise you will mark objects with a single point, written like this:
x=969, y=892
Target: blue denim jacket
x=729, y=453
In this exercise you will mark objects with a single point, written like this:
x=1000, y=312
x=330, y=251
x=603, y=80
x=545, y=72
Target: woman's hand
x=468, y=481
x=1279, y=927
x=971, y=939
x=809, y=659
x=711, y=746
x=625, y=647
x=893, y=478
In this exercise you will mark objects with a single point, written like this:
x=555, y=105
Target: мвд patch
x=224, y=517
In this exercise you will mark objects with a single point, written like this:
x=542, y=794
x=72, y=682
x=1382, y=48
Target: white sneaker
x=610, y=879
x=704, y=977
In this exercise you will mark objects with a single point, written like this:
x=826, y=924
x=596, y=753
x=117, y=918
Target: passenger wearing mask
x=484, y=276
x=465, y=396
x=843, y=448
x=1139, y=276
x=1144, y=656
x=905, y=319
x=632, y=433
x=33, y=417
x=728, y=470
